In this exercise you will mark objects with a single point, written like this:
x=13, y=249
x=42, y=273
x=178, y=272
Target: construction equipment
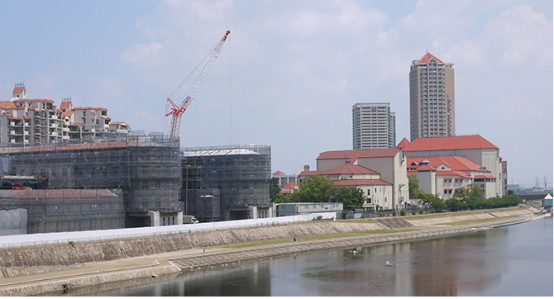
x=177, y=111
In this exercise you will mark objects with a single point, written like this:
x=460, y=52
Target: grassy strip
x=459, y=213
x=479, y=221
x=317, y=237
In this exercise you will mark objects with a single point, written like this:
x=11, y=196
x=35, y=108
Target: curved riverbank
x=152, y=262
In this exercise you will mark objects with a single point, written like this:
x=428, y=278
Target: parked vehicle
x=189, y=219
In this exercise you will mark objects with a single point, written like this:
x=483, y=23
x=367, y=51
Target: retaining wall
x=20, y=260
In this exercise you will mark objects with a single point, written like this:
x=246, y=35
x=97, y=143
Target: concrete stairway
x=392, y=222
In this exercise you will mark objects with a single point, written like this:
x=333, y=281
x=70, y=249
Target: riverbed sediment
x=61, y=268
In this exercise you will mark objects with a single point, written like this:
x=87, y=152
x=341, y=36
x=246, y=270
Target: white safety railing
x=116, y=234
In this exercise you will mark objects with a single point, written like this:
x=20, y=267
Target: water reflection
x=514, y=260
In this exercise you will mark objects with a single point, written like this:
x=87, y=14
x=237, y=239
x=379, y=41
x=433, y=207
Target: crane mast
x=176, y=111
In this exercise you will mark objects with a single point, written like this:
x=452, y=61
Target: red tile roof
x=449, y=143
x=341, y=170
x=453, y=173
x=18, y=90
x=484, y=176
x=353, y=155
x=291, y=185
x=428, y=56
x=8, y=105
x=353, y=183
x=278, y=172
x=403, y=143
x=65, y=104
x=425, y=168
x=455, y=163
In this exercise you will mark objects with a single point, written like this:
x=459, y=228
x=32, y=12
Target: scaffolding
x=144, y=168
x=240, y=173
x=65, y=210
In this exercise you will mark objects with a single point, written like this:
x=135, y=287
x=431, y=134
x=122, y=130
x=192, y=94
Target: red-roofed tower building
x=432, y=101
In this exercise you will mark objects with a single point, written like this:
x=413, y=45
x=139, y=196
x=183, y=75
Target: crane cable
x=230, y=96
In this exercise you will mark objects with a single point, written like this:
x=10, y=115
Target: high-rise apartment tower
x=373, y=126
x=432, y=111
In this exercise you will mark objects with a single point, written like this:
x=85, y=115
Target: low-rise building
x=298, y=208
x=284, y=179
x=483, y=164
x=379, y=173
x=442, y=175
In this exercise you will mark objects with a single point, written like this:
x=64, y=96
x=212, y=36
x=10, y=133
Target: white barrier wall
x=13, y=222
x=114, y=234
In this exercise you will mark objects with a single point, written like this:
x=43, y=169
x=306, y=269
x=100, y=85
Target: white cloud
x=143, y=56
x=520, y=34
x=303, y=64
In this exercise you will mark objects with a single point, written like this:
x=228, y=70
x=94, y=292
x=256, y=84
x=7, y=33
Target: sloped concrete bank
x=65, y=284
x=24, y=262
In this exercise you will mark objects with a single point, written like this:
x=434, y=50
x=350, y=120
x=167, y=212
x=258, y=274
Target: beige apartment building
x=432, y=100
x=38, y=121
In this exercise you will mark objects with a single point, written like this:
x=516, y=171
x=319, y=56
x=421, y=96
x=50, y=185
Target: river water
x=507, y=261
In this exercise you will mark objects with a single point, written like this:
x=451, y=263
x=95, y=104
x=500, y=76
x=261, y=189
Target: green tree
x=316, y=189
x=274, y=188
x=351, y=198
x=283, y=198
x=413, y=187
x=475, y=192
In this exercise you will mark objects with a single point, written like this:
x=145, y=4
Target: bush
x=402, y=212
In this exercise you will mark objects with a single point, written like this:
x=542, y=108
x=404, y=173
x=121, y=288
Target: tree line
x=470, y=197
x=320, y=189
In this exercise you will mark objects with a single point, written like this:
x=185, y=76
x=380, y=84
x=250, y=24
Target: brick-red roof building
x=449, y=143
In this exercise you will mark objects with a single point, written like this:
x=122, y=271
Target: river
x=506, y=261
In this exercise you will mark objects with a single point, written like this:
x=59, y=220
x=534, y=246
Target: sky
x=290, y=71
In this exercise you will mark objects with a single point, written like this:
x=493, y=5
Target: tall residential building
x=432, y=111
x=373, y=126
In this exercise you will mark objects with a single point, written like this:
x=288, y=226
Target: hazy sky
x=291, y=70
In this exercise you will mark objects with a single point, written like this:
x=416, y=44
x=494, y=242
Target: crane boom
x=176, y=111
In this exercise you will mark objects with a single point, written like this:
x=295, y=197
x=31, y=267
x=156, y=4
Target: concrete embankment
x=78, y=265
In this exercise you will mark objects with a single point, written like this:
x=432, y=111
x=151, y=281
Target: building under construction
x=227, y=182
x=143, y=171
x=130, y=181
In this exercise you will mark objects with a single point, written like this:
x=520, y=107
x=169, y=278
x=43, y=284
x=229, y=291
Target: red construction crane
x=177, y=111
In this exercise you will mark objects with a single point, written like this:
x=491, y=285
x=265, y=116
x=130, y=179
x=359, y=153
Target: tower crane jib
x=176, y=111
